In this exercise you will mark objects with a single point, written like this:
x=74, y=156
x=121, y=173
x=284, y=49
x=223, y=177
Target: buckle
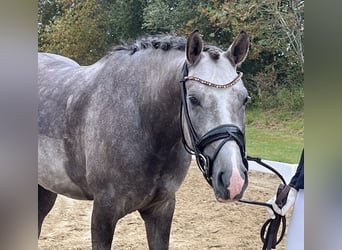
x=203, y=164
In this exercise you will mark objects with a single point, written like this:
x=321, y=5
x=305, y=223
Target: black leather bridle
x=228, y=132
x=225, y=132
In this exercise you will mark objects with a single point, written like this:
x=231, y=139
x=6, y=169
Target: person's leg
x=295, y=233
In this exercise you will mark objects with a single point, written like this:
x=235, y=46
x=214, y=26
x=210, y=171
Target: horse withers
x=116, y=131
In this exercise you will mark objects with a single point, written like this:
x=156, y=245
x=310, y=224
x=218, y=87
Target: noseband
x=225, y=132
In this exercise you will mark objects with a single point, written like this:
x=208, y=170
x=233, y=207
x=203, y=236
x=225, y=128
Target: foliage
x=276, y=29
x=274, y=69
x=48, y=11
x=171, y=16
x=285, y=93
x=269, y=22
x=125, y=19
x=158, y=17
x=76, y=31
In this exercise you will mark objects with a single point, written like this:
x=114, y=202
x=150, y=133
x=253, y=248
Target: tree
x=158, y=17
x=125, y=19
x=276, y=29
x=290, y=15
x=170, y=16
x=77, y=31
x=84, y=30
x=48, y=10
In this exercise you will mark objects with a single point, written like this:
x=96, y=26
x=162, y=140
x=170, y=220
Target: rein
x=270, y=228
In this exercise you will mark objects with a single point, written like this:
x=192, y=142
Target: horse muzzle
x=230, y=188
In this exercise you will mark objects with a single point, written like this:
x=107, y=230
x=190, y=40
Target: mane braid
x=163, y=42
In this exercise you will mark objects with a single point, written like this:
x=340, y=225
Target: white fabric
x=291, y=198
x=270, y=213
x=295, y=233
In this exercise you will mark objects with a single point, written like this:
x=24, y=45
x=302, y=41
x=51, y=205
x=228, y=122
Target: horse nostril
x=222, y=180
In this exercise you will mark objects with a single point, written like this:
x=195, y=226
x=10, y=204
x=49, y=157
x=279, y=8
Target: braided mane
x=163, y=42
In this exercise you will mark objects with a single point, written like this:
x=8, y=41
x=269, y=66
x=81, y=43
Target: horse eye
x=194, y=100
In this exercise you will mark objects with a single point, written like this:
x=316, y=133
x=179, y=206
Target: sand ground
x=199, y=222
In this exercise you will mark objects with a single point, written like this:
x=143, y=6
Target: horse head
x=213, y=113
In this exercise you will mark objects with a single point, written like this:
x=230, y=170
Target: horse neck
x=160, y=93
x=163, y=87
x=164, y=78
x=146, y=83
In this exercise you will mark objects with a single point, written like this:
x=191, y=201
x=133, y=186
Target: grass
x=275, y=135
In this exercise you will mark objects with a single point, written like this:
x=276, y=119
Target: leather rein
x=229, y=132
x=269, y=230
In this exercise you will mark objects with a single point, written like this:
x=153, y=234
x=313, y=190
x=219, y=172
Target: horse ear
x=194, y=46
x=238, y=50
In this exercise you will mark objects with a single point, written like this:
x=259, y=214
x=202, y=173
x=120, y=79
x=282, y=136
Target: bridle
x=229, y=132
x=225, y=132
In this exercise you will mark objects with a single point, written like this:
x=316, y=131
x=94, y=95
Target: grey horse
x=114, y=131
